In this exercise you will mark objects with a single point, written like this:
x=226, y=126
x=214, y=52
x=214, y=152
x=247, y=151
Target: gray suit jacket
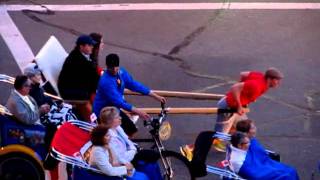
x=21, y=110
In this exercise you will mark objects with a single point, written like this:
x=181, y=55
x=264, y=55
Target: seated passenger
x=247, y=126
x=102, y=157
x=59, y=111
x=34, y=74
x=119, y=141
x=239, y=145
x=250, y=160
x=22, y=106
x=202, y=146
x=124, y=148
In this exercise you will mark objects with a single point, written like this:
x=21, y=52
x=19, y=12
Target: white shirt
x=87, y=56
x=27, y=100
x=237, y=157
x=99, y=158
x=123, y=148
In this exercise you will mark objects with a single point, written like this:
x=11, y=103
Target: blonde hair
x=107, y=115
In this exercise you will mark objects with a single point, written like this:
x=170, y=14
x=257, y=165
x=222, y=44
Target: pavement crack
x=187, y=40
x=194, y=34
x=290, y=105
x=179, y=61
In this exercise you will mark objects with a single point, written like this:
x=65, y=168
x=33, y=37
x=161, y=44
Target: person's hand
x=129, y=167
x=161, y=99
x=44, y=109
x=240, y=110
x=141, y=114
x=158, y=98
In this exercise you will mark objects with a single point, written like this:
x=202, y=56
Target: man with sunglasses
x=22, y=106
x=110, y=92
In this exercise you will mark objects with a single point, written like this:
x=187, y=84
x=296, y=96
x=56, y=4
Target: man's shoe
x=187, y=152
x=219, y=145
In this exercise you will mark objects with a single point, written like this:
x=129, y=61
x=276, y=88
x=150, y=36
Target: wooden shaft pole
x=53, y=96
x=181, y=110
x=187, y=110
x=180, y=94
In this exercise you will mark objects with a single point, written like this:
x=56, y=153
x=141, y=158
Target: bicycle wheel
x=180, y=166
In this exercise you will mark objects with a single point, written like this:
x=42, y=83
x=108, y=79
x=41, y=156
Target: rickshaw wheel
x=19, y=166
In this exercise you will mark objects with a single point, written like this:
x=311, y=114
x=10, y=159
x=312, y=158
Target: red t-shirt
x=254, y=86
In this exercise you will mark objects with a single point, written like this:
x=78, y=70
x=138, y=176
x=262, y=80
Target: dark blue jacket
x=110, y=92
x=78, y=78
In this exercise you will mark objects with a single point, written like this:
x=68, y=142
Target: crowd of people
x=102, y=93
x=81, y=78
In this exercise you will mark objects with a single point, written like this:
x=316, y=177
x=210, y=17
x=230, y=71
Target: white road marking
x=168, y=6
x=15, y=41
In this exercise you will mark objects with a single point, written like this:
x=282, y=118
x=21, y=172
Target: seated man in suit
x=22, y=106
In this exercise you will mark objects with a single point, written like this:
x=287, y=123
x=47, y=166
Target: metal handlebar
x=156, y=122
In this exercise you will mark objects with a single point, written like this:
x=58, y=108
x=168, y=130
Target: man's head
x=22, y=84
x=240, y=140
x=33, y=72
x=85, y=44
x=247, y=126
x=273, y=77
x=112, y=63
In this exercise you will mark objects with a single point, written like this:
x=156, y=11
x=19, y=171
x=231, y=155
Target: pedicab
x=22, y=147
x=71, y=144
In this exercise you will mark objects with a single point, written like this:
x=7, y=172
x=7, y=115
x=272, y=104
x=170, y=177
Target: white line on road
x=15, y=41
x=168, y=6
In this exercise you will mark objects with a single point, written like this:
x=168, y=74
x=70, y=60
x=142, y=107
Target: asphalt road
x=204, y=51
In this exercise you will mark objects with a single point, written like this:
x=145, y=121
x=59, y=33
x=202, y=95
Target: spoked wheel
x=19, y=166
x=180, y=167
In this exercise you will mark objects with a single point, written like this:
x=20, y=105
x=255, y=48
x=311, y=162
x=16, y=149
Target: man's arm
x=236, y=92
x=139, y=87
x=132, y=84
x=157, y=97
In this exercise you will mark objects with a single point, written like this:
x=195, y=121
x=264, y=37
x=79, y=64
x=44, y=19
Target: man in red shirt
x=251, y=86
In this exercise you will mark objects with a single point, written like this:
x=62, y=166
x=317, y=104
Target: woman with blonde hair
x=125, y=150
